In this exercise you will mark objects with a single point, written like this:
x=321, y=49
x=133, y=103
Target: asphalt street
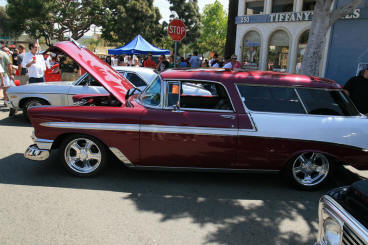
x=41, y=204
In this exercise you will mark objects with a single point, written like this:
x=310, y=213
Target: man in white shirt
x=35, y=64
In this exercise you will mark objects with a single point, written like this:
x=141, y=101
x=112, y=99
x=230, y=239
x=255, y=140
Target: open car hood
x=100, y=70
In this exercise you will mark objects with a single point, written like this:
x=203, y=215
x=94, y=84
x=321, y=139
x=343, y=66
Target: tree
x=188, y=12
x=214, y=26
x=125, y=19
x=323, y=19
x=54, y=20
x=231, y=28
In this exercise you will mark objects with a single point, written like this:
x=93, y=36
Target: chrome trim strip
x=160, y=168
x=145, y=128
x=189, y=130
x=121, y=157
x=329, y=203
x=301, y=101
x=94, y=126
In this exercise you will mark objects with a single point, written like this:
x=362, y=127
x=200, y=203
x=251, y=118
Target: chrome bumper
x=40, y=150
x=36, y=154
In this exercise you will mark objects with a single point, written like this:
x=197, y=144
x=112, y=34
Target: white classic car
x=61, y=93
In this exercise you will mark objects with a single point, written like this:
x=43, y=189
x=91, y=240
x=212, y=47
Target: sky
x=163, y=5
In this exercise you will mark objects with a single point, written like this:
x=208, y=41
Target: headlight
x=331, y=231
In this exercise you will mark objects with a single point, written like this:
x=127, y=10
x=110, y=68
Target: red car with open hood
x=205, y=119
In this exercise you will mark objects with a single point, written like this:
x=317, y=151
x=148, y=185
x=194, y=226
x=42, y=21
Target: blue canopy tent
x=138, y=46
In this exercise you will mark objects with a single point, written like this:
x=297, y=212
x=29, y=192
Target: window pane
x=152, y=96
x=204, y=95
x=270, y=99
x=251, y=50
x=323, y=102
x=254, y=7
x=278, y=52
x=282, y=6
x=173, y=93
x=308, y=5
x=303, y=41
x=135, y=79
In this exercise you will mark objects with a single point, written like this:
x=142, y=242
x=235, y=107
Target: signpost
x=176, y=31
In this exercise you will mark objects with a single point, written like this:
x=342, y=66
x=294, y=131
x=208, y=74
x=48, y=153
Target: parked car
x=258, y=120
x=343, y=216
x=61, y=93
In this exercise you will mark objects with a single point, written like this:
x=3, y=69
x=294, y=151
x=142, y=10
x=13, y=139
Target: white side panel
x=352, y=131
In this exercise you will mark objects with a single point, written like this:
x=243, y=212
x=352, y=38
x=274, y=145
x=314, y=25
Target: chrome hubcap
x=82, y=155
x=33, y=103
x=310, y=168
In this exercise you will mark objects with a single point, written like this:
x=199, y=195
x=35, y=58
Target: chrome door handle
x=228, y=116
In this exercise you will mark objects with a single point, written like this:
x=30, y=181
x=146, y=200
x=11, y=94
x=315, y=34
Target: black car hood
x=354, y=199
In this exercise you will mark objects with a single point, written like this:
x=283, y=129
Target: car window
x=198, y=95
x=152, y=94
x=270, y=99
x=327, y=102
x=135, y=79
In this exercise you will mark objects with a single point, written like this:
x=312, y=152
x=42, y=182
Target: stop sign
x=176, y=30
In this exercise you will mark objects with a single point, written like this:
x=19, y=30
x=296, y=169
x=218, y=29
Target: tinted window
x=270, y=99
x=152, y=95
x=282, y=6
x=135, y=79
x=326, y=102
x=88, y=80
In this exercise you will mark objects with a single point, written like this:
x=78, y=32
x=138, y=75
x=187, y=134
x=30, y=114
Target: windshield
x=152, y=95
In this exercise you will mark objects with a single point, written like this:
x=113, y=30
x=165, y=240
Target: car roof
x=250, y=77
x=148, y=74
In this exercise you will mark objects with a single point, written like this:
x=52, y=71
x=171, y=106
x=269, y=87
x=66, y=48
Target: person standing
x=234, y=62
x=7, y=74
x=149, y=62
x=163, y=64
x=214, y=60
x=357, y=88
x=23, y=78
x=227, y=64
x=35, y=64
x=194, y=61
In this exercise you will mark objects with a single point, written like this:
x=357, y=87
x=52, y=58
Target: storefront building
x=273, y=35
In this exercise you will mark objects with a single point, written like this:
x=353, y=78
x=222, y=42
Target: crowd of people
x=162, y=62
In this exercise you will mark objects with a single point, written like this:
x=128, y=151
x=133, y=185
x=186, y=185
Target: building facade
x=273, y=35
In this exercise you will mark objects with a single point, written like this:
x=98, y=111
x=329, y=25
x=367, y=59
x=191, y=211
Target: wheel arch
x=24, y=100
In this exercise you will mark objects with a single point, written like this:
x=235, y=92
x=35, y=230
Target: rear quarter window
x=270, y=99
x=327, y=102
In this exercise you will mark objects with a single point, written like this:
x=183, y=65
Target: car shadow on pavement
x=240, y=208
x=17, y=120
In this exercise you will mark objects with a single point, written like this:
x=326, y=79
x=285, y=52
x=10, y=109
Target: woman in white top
x=2, y=82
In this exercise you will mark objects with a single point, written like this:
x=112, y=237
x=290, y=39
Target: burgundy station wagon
x=230, y=120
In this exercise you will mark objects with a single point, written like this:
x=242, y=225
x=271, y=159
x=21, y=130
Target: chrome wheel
x=82, y=155
x=311, y=168
x=33, y=103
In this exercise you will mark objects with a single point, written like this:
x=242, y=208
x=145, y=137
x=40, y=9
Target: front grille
x=350, y=238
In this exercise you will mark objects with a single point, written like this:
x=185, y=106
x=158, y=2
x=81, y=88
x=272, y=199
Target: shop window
x=302, y=45
x=308, y=5
x=254, y=7
x=251, y=50
x=278, y=52
x=270, y=99
x=279, y=6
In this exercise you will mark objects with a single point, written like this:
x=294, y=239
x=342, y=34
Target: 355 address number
x=244, y=19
